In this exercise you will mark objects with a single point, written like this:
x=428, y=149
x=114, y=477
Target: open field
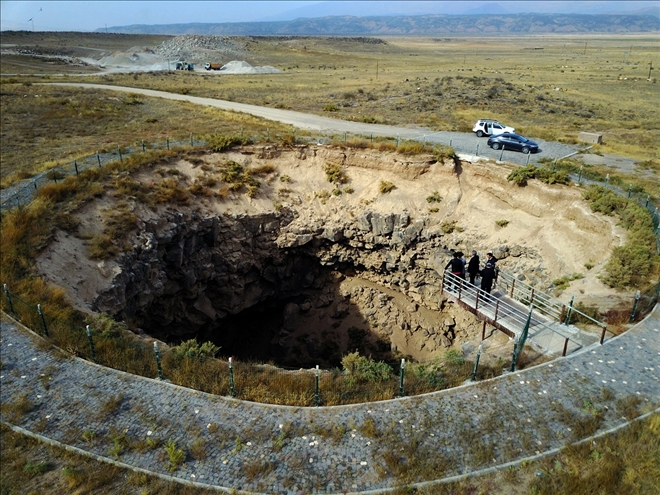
x=547, y=87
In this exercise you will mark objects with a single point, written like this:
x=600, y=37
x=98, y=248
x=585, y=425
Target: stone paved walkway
x=253, y=447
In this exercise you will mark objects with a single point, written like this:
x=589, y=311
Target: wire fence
x=365, y=381
x=252, y=381
x=25, y=191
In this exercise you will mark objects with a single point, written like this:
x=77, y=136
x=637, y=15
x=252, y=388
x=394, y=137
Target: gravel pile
x=201, y=49
x=241, y=67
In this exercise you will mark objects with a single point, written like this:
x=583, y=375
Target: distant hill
x=423, y=25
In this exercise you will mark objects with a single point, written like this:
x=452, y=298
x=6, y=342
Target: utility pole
x=585, y=48
x=376, y=69
x=32, y=21
x=650, y=68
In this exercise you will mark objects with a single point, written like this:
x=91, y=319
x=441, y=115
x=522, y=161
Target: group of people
x=460, y=267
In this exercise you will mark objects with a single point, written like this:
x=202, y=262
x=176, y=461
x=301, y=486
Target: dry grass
x=54, y=470
x=551, y=94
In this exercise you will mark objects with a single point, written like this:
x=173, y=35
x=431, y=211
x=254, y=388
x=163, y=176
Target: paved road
x=345, y=449
x=463, y=143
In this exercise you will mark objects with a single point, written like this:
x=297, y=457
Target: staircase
x=512, y=303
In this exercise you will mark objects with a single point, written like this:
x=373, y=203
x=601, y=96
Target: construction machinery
x=180, y=65
x=212, y=66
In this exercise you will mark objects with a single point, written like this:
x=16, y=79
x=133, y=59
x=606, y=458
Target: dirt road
x=463, y=143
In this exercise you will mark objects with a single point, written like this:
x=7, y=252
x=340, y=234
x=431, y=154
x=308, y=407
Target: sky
x=91, y=15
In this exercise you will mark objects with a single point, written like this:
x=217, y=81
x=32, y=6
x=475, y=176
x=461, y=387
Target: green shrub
x=386, y=186
x=520, y=175
x=448, y=227
x=434, y=198
x=175, y=456
x=414, y=148
x=33, y=468
x=633, y=263
x=335, y=174
x=502, y=223
x=562, y=283
x=192, y=350
x=330, y=107
x=443, y=152
x=219, y=142
x=363, y=368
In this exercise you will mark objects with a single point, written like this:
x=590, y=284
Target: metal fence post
x=143, y=148
x=43, y=320
x=75, y=164
x=580, y=174
x=648, y=198
x=52, y=170
x=502, y=153
x=477, y=150
x=316, y=388
x=91, y=343
x=11, y=306
x=476, y=362
x=570, y=308
x=231, y=379
x=192, y=142
x=98, y=159
x=168, y=143
x=160, y=368
x=403, y=366
x=529, y=155
x=121, y=158
x=520, y=341
x=630, y=190
x=634, y=310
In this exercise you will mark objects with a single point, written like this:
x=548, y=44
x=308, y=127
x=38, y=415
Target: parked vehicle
x=486, y=127
x=513, y=142
x=184, y=66
x=212, y=66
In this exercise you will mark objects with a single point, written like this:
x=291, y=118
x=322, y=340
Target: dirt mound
x=241, y=67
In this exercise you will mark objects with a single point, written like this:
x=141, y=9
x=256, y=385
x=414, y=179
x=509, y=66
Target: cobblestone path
x=262, y=448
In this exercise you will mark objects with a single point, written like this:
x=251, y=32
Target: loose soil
x=550, y=225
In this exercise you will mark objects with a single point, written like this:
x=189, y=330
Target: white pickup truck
x=486, y=127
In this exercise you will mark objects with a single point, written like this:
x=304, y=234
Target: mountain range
x=485, y=24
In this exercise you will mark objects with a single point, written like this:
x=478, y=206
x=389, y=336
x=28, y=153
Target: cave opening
x=293, y=314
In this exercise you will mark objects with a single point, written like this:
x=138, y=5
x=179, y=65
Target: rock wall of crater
x=187, y=273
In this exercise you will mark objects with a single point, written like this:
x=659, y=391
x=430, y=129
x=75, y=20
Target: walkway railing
x=501, y=314
x=546, y=304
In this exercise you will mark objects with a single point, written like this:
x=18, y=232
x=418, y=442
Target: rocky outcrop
x=190, y=274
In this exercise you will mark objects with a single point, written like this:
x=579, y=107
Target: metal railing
x=546, y=304
x=500, y=313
